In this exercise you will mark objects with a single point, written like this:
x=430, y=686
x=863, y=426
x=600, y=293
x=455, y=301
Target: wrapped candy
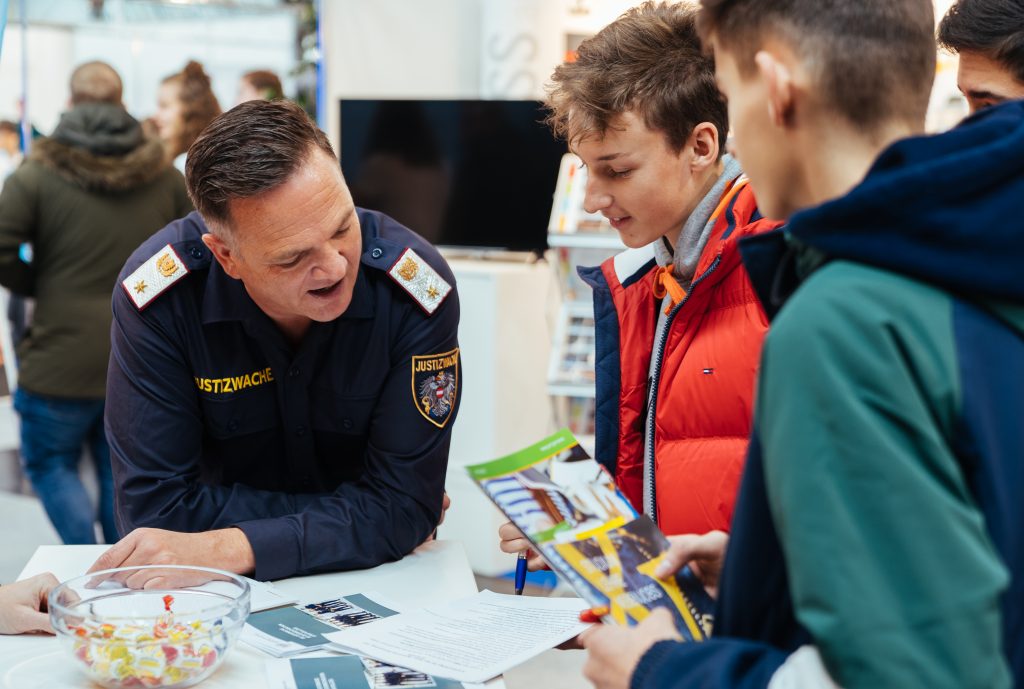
x=166, y=654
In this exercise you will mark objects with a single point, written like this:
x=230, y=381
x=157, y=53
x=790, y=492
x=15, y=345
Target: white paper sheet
x=469, y=640
x=263, y=594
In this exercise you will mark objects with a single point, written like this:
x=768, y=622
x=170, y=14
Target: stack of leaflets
x=298, y=629
x=285, y=632
x=569, y=508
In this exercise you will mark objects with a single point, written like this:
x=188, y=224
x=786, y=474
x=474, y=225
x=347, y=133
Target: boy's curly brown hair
x=649, y=61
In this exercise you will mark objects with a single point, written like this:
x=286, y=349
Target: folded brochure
x=570, y=509
x=349, y=672
x=299, y=629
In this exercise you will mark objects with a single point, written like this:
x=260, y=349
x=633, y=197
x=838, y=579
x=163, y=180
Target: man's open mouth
x=328, y=291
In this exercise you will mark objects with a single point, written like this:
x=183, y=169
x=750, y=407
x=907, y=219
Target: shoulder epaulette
x=154, y=276
x=420, y=280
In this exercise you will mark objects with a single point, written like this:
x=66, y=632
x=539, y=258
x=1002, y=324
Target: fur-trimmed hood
x=100, y=147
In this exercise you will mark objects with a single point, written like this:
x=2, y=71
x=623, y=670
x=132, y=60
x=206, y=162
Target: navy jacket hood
x=944, y=209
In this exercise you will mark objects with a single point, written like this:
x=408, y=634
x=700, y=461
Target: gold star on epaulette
x=150, y=279
x=421, y=281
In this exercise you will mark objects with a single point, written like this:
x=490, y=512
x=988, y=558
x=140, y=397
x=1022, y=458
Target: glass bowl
x=171, y=636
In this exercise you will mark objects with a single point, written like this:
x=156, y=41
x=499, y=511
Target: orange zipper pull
x=666, y=283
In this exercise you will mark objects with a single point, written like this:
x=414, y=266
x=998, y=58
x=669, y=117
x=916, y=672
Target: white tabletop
x=434, y=572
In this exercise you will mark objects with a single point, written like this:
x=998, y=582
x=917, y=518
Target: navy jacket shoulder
x=384, y=241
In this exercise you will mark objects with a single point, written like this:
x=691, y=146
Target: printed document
x=468, y=640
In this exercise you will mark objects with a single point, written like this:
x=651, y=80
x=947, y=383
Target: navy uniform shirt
x=328, y=456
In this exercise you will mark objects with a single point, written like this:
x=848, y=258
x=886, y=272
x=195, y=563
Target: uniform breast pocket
x=240, y=416
x=341, y=414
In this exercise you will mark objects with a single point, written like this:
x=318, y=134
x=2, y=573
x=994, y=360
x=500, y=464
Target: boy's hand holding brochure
x=571, y=512
x=704, y=554
x=618, y=650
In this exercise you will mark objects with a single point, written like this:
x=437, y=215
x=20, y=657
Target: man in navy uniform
x=284, y=371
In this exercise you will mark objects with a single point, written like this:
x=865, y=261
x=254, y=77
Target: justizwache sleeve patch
x=420, y=280
x=154, y=276
x=435, y=385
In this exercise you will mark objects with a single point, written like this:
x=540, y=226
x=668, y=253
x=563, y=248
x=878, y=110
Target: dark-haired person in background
x=879, y=531
x=285, y=368
x=85, y=198
x=988, y=35
x=259, y=84
x=10, y=152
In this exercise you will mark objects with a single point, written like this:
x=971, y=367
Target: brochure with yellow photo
x=568, y=506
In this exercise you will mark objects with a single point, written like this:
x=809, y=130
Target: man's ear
x=223, y=252
x=778, y=81
x=704, y=144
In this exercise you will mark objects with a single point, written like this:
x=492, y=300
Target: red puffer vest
x=703, y=383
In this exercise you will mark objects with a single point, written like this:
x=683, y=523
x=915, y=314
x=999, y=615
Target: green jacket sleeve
x=17, y=225
x=891, y=568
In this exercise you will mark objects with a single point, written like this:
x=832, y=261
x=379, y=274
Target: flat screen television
x=464, y=173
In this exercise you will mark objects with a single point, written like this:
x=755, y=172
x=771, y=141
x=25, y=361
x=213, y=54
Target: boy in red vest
x=679, y=328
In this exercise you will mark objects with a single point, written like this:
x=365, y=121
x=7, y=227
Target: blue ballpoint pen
x=521, y=571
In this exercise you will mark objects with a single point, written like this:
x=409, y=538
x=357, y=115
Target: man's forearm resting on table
x=227, y=549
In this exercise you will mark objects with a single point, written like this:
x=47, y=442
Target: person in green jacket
x=878, y=538
x=84, y=199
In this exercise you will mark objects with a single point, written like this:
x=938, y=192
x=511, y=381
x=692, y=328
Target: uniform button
x=232, y=426
x=300, y=431
x=293, y=371
x=196, y=252
x=377, y=253
x=346, y=424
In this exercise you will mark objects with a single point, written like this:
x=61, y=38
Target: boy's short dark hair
x=648, y=61
x=994, y=28
x=249, y=150
x=873, y=61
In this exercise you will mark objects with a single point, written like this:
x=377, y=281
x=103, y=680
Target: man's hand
x=613, y=652
x=23, y=605
x=705, y=555
x=514, y=542
x=446, y=502
x=226, y=549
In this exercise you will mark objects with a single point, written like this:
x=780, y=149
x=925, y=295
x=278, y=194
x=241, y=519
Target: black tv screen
x=467, y=173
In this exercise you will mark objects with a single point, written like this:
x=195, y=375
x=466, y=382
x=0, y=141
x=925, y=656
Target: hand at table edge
x=23, y=605
x=227, y=549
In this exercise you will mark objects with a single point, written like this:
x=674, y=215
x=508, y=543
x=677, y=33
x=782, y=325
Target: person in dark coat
x=83, y=200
